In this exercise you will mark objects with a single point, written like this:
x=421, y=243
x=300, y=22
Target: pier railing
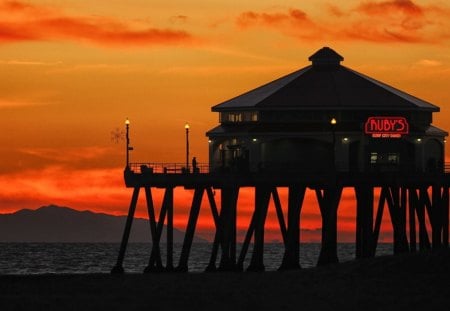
x=447, y=167
x=168, y=168
x=203, y=168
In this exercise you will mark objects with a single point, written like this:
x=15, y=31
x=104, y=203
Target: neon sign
x=386, y=127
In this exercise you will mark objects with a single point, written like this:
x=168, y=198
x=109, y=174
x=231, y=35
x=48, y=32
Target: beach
x=413, y=281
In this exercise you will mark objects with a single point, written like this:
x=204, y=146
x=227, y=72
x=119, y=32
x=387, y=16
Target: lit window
x=254, y=116
x=235, y=117
x=393, y=158
x=373, y=157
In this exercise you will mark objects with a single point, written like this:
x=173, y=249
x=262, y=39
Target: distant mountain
x=62, y=224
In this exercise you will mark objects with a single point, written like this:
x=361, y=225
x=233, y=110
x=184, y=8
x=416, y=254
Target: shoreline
x=392, y=282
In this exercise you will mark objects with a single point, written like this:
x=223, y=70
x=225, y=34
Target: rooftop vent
x=326, y=57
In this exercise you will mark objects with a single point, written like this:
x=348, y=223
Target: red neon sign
x=386, y=127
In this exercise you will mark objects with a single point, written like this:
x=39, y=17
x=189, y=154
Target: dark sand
x=405, y=282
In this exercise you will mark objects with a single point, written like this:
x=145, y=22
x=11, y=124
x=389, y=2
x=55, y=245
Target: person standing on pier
x=194, y=165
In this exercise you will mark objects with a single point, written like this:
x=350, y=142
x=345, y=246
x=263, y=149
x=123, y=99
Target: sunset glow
x=72, y=71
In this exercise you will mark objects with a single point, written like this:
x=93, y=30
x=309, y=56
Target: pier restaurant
x=326, y=117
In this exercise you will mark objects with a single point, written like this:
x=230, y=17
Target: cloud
x=26, y=22
x=29, y=63
x=68, y=154
x=7, y=103
x=334, y=10
x=291, y=17
x=428, y=63
x=405, y=7
x=179, y=19
x=97, y=189
x=401, y=21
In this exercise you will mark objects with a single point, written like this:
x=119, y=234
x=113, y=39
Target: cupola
x=326, y=57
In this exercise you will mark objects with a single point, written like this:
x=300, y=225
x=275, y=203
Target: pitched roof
x=325, y=85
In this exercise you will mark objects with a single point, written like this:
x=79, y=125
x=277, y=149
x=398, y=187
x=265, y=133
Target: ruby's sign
x=386, y=127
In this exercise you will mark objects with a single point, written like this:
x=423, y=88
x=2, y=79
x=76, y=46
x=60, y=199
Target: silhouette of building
x=285, y=125
x=325, y=128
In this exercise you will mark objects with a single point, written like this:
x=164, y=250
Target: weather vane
x=117, y=135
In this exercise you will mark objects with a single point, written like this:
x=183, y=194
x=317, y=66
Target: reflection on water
x=39, y=258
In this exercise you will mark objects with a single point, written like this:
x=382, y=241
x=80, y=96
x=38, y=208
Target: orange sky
x=71, y=71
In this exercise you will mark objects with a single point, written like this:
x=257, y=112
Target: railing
x=204, y=168
x=447, y=167
x=168, y=168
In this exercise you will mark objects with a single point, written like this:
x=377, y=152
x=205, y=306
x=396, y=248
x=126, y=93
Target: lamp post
x=333, y=123
x=129, y=148
x=186, y=126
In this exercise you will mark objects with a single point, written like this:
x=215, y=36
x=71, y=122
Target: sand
x=418, y=281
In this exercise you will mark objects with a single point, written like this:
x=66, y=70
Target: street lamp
x=129, y=148
x=186, y=126
x=333, y=123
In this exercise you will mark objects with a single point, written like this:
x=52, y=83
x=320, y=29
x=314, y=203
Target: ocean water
x=44, y=258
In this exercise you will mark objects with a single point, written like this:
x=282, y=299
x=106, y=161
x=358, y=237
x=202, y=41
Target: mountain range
x=62, y=224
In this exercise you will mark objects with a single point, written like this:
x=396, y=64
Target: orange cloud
x=99, y=189
x=382, y=22
x=334, y=10
x=405, y=7
x=292, y=17
x=26, y=22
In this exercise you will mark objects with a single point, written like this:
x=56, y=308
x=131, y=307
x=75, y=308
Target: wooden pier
x=324, y=127
x=413, y=197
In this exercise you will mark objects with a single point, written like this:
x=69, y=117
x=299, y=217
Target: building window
x=246, y=116
x=235, y=117
x=384, y=158
x=393, y=158
x=254, y=116
x=373, y=157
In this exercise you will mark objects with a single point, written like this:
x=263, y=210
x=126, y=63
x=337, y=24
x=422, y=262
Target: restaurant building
x=326, y=117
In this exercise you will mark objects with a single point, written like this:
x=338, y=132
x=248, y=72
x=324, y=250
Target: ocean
x=78, y=258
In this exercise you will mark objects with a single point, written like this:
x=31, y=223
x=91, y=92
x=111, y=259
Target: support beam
x=118, y=268
x=378, y=219
x=155, y=256
x=168, y=202
x=279, y=211
x=445, y=216
x=364, y=221
x=435, y=214
x=328, y=203
x=424, y=241
x=229, y=196
x=398, y=224
x=262, y=197
x=153, y=229
x=413, y=202
x=218, y=236
x=246, y=243
x=291, y=257
x=190, y=230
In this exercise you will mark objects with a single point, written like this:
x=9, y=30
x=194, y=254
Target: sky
x=72, y=71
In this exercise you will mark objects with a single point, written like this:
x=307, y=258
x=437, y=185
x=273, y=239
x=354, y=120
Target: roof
x=325, y=85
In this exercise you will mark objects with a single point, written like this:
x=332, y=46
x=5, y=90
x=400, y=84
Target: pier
x=324, y=128
x=411, y=197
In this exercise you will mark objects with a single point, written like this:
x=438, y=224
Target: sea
x=80, y=258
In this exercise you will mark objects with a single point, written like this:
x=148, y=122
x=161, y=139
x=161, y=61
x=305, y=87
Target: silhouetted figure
x=194, y=165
